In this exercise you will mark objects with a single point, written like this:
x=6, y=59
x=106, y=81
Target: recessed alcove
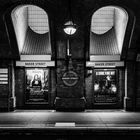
x=32, y=32
x=108, y=27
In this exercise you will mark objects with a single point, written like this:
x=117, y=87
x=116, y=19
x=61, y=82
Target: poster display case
x=105, y=86
x=36, y=85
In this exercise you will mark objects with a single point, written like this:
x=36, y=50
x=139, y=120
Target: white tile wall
x=102, y=20
x=38, y=19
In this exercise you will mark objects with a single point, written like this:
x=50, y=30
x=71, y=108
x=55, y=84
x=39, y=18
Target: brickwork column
x=129, y=99
x=138, y=86
x=12, y=98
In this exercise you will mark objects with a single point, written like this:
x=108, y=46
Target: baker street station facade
x=43, y=67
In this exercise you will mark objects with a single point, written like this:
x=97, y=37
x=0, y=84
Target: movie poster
x=37, y=85
x=105, y=86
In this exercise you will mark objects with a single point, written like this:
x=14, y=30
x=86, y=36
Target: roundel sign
x=70, y=78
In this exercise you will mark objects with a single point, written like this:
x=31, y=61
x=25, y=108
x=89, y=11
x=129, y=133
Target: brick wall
x=20, y=87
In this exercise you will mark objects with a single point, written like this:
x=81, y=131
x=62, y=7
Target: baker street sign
x=104, y=64
x=35, y=64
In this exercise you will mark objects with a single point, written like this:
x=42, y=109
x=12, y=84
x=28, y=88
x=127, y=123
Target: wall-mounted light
x=70, y=28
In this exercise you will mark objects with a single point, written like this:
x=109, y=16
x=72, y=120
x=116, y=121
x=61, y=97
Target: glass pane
x=105, y=86
x=37, y=85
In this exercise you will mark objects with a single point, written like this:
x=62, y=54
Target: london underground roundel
x=70, y=78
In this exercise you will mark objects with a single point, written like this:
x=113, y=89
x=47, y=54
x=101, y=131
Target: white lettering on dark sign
x=104, y=64
x=105, y=73
x=35, y=63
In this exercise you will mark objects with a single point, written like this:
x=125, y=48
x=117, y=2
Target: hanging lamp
x=69, y=27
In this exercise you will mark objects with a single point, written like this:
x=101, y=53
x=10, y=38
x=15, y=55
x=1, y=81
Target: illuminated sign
x=37, y=85
x=105, y=86
x=35, y=64
x=104, y=64
x=105, y=73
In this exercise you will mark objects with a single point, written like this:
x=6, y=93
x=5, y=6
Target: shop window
x=37, y=85
x=105, y=86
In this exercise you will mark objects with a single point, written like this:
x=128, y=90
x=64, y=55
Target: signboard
x=70, y=78
x=3, y=76
x=104, y=64
x=35, y=64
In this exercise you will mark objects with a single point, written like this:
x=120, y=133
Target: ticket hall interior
x=85, y=55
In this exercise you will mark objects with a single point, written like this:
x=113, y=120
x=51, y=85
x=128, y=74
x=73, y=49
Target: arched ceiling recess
x=108, y=27
x=33, y=20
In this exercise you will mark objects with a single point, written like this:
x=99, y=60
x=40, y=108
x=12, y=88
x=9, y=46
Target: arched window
x=32, y=30
x=108, y=27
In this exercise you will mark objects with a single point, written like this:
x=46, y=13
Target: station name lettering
x=35, y=64
x=104, y=64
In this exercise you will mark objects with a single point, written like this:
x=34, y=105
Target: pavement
x=97, y=124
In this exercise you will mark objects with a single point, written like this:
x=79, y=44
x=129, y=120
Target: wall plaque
x=70, y=78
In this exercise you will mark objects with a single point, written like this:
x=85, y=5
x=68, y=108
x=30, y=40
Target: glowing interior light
x=114, y=89
x=70, y=28
x=96, y=87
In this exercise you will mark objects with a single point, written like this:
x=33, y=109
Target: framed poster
x=37, y=85
x=105, y=86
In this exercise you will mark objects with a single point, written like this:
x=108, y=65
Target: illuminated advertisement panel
x=37, y=85
x=105, y=86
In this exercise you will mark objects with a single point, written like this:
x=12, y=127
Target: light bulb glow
x=114, y=89
x=96, y=87
x=70, y=28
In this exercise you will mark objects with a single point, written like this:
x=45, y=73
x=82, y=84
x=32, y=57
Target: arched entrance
x=106, y=68
x=34, y=70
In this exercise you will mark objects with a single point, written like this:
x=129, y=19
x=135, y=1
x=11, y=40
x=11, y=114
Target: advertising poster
x=36, y=85
x=105, y=86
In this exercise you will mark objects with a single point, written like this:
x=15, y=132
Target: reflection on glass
x=37, y=85
x=105, y=89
